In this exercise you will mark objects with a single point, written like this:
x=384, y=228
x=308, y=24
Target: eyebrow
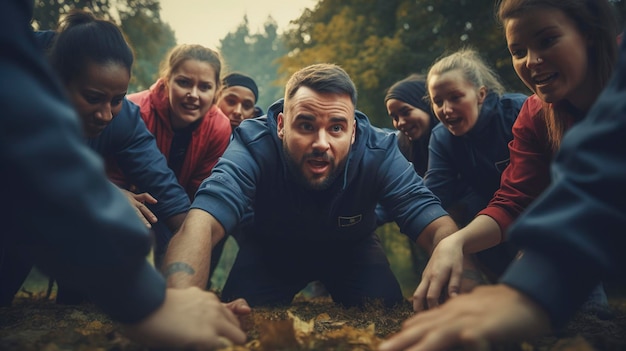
x=312, y=119
x=231, y=94
x=305, y=117
x=339, y=119
x=535, y=35
x=184, y=76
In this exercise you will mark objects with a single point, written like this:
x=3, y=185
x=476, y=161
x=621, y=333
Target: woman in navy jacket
x=469, y=149
x=94, y=63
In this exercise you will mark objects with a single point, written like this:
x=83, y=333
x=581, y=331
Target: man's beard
x=295, y=168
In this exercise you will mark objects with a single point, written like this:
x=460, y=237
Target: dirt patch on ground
x=37, y=323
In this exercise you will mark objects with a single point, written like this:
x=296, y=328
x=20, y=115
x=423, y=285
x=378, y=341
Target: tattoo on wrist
x=177, y=267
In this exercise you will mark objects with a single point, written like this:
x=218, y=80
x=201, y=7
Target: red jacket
x=208, y=141
x=528, y=173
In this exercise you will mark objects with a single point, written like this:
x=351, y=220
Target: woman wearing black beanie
x=412, y=116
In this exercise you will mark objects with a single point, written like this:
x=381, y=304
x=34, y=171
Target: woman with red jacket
x=180, y=110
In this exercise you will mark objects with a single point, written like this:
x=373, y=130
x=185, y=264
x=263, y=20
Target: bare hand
x=189, y=319
x=138, y=201
x=444, y=268
x=489, y=314
x=239, y=307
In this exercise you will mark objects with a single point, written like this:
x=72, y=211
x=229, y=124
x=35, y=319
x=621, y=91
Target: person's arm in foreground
x=571, y=238
x=474, y=320
x=86, y=232
x=191, y=318
x=188, y=257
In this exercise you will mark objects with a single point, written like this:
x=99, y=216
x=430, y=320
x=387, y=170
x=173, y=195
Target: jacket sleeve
x=141, y=161
x=573, y=235
x=528, y=173
x=229, y=192
x=411, y=204
x=441, y=177
x=81, y=228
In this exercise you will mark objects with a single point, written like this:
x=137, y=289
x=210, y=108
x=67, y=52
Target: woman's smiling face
x=408, y=119
x=550, y=55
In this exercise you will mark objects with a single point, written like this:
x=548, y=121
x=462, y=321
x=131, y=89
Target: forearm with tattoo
x=178, y=267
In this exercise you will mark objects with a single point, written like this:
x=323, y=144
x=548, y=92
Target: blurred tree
x=448, y=26
x=46, y=13
x=150, y=38
x=359, y=36
x=379, y=42
x=256, y=55
x=140, y=21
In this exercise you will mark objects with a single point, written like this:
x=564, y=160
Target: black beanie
x=238, y=79
x=410, y=91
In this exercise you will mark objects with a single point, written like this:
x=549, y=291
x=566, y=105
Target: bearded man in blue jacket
x=302, y=184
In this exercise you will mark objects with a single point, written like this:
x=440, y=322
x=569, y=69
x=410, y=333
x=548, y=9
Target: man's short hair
x=323, y=78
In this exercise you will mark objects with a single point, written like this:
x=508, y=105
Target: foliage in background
x=379, y=42
x=150, y=38
x=255, y=54
x=140, y=20
x=46, y=13
x=406, y=258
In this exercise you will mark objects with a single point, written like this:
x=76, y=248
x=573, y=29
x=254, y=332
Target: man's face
x=317, y=131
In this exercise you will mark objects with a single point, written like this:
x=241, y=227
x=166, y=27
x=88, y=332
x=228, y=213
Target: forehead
x=195, y=69
x=530, y=24
x=394, y=104
x=447, y=82
x=239, y=92
x=110, y=76
x=310, y=102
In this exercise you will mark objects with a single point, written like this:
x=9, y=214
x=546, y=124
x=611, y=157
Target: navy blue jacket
x=252, y=173
x=61, y=209
x=470, y=165
x=572, y=236
x=128, y=142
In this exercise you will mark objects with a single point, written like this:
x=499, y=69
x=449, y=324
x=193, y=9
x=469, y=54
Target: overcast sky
x=205, y=22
